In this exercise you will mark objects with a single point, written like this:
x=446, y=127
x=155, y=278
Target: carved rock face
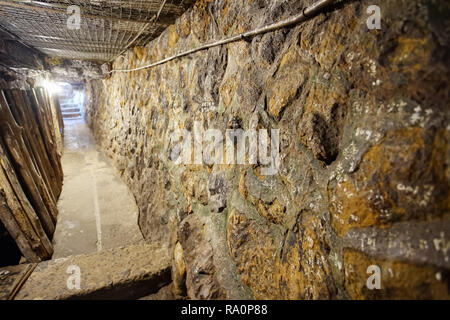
x=364, y=151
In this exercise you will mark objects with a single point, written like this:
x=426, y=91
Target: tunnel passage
x=96, y=209
x=351, y=116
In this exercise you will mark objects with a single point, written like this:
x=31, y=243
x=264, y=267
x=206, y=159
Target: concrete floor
x=96, y=209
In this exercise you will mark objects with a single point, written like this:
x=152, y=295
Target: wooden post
x=27, y=201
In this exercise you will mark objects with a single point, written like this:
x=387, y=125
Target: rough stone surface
x=10, y=279
x=364, y=130
x=179, y=270
x=121, y=273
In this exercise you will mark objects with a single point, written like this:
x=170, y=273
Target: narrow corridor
x=96, y=209
x=224, y=150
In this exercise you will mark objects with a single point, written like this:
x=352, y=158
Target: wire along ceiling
x=105, y=28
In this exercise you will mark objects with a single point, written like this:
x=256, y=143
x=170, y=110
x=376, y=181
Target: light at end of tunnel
x=52, y=87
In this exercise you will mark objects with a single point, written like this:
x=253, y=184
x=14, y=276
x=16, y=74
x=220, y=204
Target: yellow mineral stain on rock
x=273, y=212
x=173, y=36
x=228, y=90
x=242, y=186
x=352, y=209
x=256, y=263
x=365, y=196
x=226, y=9
x=399, y=280
x=178, y=270
x=300, y=273
x=178, y=255
x=140, y=52
x=200, y=20
x=411, y=54
x=185, y=25
x=283, y=87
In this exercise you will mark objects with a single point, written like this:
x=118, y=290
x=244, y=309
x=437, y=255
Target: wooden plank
x=40, y=108
x=20, y=108
x=13, y=141
x=55, y=183
x=45, y=187
x=31, y=174
x=15, y=231
x=35, y=110
x=22, y=105
x=58, y=124
x=51, y=125
x=22, y=210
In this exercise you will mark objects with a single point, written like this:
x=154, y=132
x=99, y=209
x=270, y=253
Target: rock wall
x=364, y=129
